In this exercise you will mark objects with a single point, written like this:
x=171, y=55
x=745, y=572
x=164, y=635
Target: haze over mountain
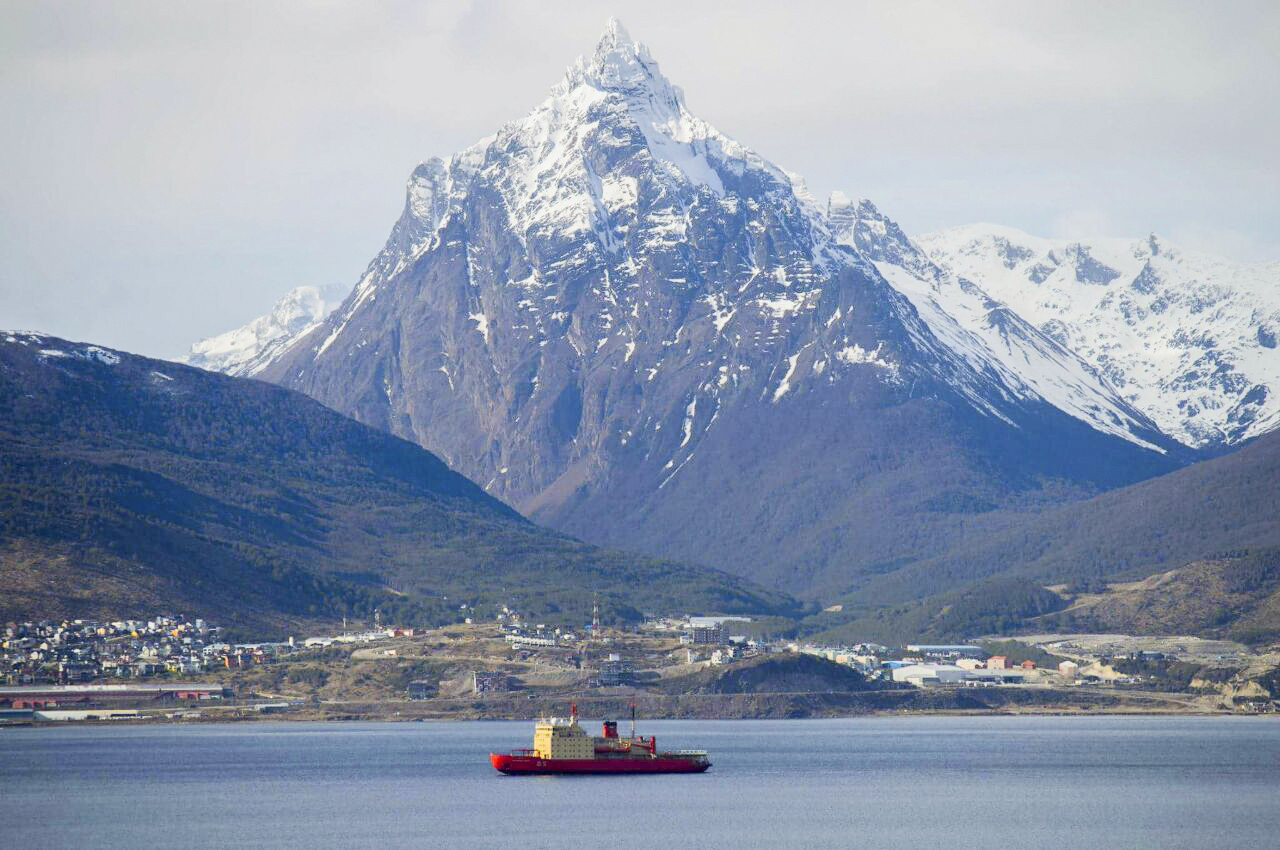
x=637, y=330
x=132, y=485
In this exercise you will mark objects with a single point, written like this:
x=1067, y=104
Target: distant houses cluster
x=166, y=645
x=71, y=651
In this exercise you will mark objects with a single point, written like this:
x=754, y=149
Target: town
x=177, y=667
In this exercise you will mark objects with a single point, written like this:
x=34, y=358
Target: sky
x=168, y=170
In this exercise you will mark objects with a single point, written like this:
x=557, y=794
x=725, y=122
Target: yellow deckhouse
x=561, y=738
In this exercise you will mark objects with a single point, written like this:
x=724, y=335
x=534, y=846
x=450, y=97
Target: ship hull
x=517, y=765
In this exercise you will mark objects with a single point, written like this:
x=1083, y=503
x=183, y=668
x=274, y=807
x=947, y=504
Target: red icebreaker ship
x=560, y=745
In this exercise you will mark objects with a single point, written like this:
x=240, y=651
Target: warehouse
x=929, y=674
x=49, y=696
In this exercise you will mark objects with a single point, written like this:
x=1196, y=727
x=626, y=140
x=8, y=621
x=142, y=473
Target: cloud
x=1081, y=224
x=169, y=169
x=1208, y=238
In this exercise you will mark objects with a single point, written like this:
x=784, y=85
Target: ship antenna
x=633, y=720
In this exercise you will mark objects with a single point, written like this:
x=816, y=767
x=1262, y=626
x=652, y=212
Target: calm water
x=1014, y=782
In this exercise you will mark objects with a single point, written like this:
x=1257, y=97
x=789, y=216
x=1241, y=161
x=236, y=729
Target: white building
x=527, y=641
x=929, y=674
x=951, y=674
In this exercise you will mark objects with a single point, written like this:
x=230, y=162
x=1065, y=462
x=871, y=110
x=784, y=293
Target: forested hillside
x=129, y=484
x=1226, y=504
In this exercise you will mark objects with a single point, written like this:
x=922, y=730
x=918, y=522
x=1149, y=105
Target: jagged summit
x=619, y=63
x=621, y=75
x=615, y=33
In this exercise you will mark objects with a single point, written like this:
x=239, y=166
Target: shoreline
x=142, y=722
x=1004, y=702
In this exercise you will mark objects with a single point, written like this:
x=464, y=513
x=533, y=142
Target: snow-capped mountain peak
x=618, y=88
x=611, y=175
x=620, y=64
x=248, y=349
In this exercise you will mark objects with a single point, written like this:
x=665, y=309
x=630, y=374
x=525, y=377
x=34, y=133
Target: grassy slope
x=1199, y=540
x=1237, y=598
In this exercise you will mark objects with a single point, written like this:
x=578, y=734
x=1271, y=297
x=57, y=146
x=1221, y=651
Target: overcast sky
x=167, y=170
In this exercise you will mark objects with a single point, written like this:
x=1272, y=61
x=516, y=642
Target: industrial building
x=921, y=675
x=929, y=674
x=51, y=696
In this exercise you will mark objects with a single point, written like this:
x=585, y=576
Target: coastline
x=994, y=702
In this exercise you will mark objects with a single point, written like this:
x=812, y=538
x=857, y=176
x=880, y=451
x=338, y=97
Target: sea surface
x=917, y=781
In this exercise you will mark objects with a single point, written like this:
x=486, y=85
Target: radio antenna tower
x=595, y=618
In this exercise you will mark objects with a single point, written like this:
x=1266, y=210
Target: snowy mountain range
x=1188, y=339
x=980, y=328
x=639, y=331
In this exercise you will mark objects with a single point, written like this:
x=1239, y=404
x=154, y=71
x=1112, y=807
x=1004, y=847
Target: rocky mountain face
x=130, y=485
x=637, y=330
x=1187, y=339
